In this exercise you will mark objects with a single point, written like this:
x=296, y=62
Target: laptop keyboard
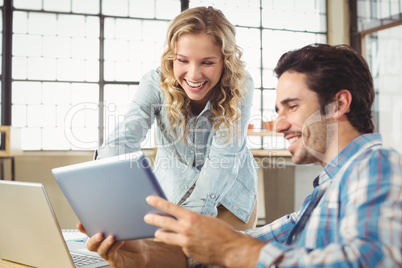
x=82, y=260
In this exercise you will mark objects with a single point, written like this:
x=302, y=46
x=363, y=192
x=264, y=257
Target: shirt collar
x=360, y=143
x=207, y=107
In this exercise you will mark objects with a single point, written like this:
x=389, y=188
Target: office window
x=54, y=75
x=72, y=84
x=72, y=64
x=372, y=14
x=132, y=47
x=379, y=24
x=265, y=30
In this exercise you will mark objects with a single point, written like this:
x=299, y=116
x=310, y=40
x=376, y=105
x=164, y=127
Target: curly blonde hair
x=228, y=92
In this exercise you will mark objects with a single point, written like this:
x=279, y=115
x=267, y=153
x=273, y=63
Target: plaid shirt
x=353, y=218
x=357, y=218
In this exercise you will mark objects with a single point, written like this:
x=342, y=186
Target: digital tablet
x=108, y=195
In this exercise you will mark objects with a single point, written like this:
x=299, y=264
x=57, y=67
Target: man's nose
x=281, y=124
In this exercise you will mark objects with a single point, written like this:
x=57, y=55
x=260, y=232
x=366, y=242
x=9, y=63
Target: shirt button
x=234, y=208
x=185, y=187
x=192, y=151
x=212, y=196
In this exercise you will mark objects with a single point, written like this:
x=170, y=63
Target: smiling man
x=353, y=217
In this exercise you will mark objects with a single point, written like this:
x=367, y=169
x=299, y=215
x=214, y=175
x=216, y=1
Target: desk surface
x=9, y=264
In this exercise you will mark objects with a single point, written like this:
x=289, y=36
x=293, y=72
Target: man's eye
x=292, y=107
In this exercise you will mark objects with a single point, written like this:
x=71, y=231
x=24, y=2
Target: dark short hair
x=328, y=70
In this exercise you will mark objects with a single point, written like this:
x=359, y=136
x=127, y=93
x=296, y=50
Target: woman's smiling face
x=197, y=66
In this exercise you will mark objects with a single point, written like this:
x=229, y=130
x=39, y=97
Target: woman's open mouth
x=194, y=86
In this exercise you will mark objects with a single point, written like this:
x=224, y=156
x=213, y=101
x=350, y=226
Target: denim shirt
x=222, y=172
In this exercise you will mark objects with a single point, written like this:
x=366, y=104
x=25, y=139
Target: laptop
x=108, y=195
x=30, y=233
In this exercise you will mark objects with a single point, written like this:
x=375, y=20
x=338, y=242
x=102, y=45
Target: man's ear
x=343, y=101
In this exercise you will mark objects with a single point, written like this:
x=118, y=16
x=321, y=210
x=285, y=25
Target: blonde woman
x=200, y=99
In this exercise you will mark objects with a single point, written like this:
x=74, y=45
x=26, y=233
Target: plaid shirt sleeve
x=278, y=230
